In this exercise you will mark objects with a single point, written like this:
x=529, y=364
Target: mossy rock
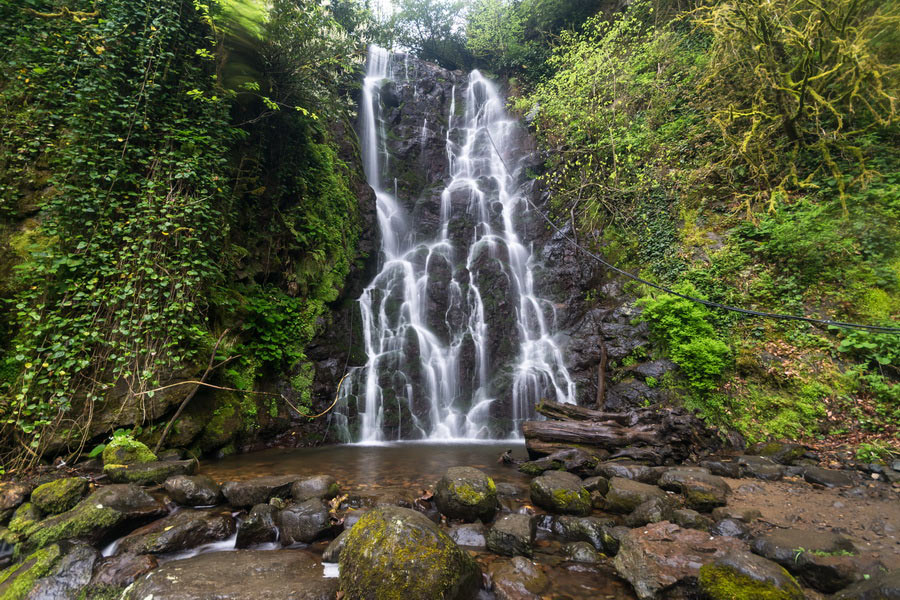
x=466, y=493
x=18, y=580
x=25, y=518
x=561, y=492
x=745, y=576
x=395, y=553
x=625, y=495
x=151, y=472
x=125, y=450
x=60, y=495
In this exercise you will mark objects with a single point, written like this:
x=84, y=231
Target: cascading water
x=430, y=318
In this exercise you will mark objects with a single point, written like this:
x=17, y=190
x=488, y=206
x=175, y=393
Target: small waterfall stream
x=428, y=314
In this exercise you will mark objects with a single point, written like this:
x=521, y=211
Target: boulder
x=722, y=467
x=596, y=484
x=179, y=531
x=259, y=527
x=653, y=510
x=511, y=535
x=467, y=494
x=13, y=493
x=125, y=450
x=561, y=492
x=581, y=552
x=691, y=519
x=98, y=516
x=573, y=460
x=332, y=553
x=24, y=518
x=468, y=534
x=240, y=575
x=761, y=468
x=305, y=522
x=745, y=576
x=324, y=487
x=68, y=577
x=148, y=473
x=824, y=561
x=827, y=477
x=661, y=555
x=518, y=579
x=630, y=470
x=701, y=490
x=397, y=552
x=123, y=569
x=594, y=530
x=882, y=586
x=258, y=491
x=730, y=528
x=625, y=495
x=193, y=490
x=16, y=581
x=60, y=495
x=780, y=452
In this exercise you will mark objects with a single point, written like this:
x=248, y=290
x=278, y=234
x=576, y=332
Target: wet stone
x=511, y=535
x=730, y=528
x=581, y=552
x=258, y=528
x=257, y=491
x=333, y=552
x=723, y=468
x=822, y=560
x=467, y=494
x=561, y=492
x=305, y=522
x=193, y=490
x=179, y=531
x=594, y=530
x=761, y=468
x=150, y=472
x=653, y=510
x=630, y=470
x=59, y=495
x=747, y=515
x=625, y=495
x=468, y=534
x=880, y=586
x=691, y=519
x=596, y=484
x=324, y=487
x=518, y=579
x=121, y=570
x=827, y=477
x=68, y=576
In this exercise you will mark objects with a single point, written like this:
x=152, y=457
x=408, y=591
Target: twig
x=337, y=395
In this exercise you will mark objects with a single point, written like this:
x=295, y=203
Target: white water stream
x=410, y=369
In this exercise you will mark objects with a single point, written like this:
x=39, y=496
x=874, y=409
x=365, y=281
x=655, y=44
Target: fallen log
x=605, y=435
x=559, y=411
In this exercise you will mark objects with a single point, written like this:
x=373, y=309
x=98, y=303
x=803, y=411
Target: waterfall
x=431, y=327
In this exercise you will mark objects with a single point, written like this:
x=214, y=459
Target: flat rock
x=722, y=467
x=741, y=575
x=824, y=561
x=702, y=491
x=573, y=460
x=625, y=495
x=661, y=555
x=518, y=579
x=761, y=468
x=305, y=522
x=827, y=477
x=783, y=453
x=121, y=570
x=747, y=515
x=691, y=519
x=511, y=535
x=468, y=534
x=881, y=586
x=193, y=490
x=259, y=490
x=324, y=487
x=240, y=575
x=561, y=492
x=259, y=527
x=147, y=473
x=182, y=530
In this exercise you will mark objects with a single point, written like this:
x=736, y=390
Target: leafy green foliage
x=433, y=30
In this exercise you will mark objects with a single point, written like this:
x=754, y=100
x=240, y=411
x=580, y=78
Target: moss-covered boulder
x=625, y=495
x=701, y=490
x=467, y=494
x=745, y=576
x=125, y=450
x=69, y=577
x=561, y=492
x=17, y=580
x=60, y=495
x=25, y=518
x=394, y=553
x=147, y=473
x=783, y=453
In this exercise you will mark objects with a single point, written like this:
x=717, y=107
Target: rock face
x=561, y=492
x=467, y=494
x=745, y=576
x=395, y=552
x=625, y=495
x=662, y=555
x=59, y=495
x=193, y=490
x=511, y=535
x=240, y=575
x=179, y=531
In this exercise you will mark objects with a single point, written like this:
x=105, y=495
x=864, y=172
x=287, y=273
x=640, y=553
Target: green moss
x=721, y=583
x=148, y=473
x=578, y=501
x=17, y=580
x=24, y=518
x=700, y=500
x=60, y=495
x=82, y=521
x=124, y=450
x=468, y=494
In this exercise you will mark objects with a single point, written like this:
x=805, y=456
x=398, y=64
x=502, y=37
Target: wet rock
x=70, y=574
x=761, y=468
x=747, y=515
x=827, y=477
x=655, y=369
x=179, y=531
x=653, y=510
x=121, y=570
x=259, y=527
x=193, y=490
x=333, y=552
x=824, y=561
x=593, y=530
x=631, y=393
x=16, y=581
x=150, y=472
x=662, y=555
x=625, y=495
x=730, y=528
x=596, y=484
x=509, y=490
x=305, y=522
x=59, y=495
x=581, y=552
x=745, y=576
x=257, y=491
x=13, y=493
x=324, y=487
x=518, y=579
x=630, y=470
x=399, y=552
x=240, y=575
x=24, y=518
x=467, y=494
x=98, y=516
x=881, y=586
x=722, y=468
x=702, y=491
x=468, y=534
x=561, y=492
x=511, y=535
x=780, y=452
x=573, y=460
x=124, y=450
x=691, y=519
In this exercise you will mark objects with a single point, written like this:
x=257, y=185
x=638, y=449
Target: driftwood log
x=656, y=435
